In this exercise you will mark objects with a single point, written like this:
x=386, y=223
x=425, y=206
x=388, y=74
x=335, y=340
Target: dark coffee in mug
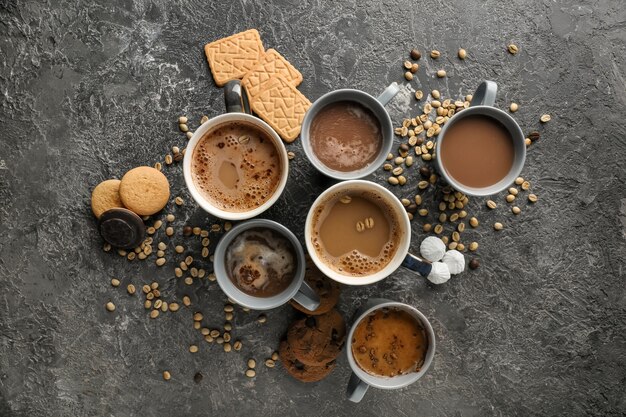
x=477, y=151
x=389, y=342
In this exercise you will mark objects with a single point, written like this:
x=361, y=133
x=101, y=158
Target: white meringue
x=455, y=261
x=432, y=249
x=439, y=274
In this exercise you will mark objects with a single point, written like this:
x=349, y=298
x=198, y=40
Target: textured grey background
x=90, y=89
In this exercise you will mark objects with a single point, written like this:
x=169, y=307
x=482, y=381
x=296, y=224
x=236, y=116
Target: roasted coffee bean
x=533, y=136
x=187, y=231
x=415, y=54
x=473, y=264
x=425, y=172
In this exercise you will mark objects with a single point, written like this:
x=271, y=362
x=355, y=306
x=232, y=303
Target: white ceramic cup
x=360, y=380
x=402, y=257
x=232, y=91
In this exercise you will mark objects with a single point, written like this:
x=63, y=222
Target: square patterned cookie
x=282, y=106
x=270, y=64
x=232, y=57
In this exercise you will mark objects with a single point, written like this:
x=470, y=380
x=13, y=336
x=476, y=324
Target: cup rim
x=380, y=113
x=518, y=164
x=240, y=297
x=381, y=381
x=195, y=139
x=396, y=261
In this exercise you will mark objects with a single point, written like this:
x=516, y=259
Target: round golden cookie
x=144, y=190
x=327, y=289
x=106, y=196
x=317, y=340
x=300, y=371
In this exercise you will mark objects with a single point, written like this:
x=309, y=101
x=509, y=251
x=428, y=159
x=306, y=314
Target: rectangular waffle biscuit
x=282, y=106
x=232, y=57
x=270, y=64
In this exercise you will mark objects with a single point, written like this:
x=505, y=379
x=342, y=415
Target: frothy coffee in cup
x=236, y=167
x=261, y=262
x=389, y=342
x=346, y=136
x=355, y=233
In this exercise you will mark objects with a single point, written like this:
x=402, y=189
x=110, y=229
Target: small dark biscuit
x=121, y=228
x=300, y=371
x=327, y=289
x=317, y=340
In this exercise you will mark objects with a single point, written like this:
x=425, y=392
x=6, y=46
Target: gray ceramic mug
x=360, y=380
x=483, y=105
x=298, y=290
x=375, y=105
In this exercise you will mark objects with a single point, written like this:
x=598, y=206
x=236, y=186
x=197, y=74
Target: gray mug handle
x=356, y=388
x=389, y=93
x=307, y=297
x=234, y=97
x=485, y=94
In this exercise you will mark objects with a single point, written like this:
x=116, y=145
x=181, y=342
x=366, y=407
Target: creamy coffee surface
x=236, y=167
x=346, y=136
x=355, y=233
x=477, y=151
x=261, y=262
x=389, y=342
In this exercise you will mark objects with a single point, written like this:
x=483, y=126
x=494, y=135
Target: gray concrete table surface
x=90, y=89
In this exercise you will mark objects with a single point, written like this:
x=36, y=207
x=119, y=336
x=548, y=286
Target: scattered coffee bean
x=419, y=94
x=438, y=229
x=513, y=49
x=115, y=282
x=237, y=345
x=251, y=363
x=441, y=73
x=197, y=378
x=513, y=107
x=262, y=318
x=173, y=307
x=474, y=264
x=545, y=118
x=415, y=54
x=193, y=348
x=473, y=222
x=532, y=198
x=270, y=363
x=407, y=64
x=110, y=306
x=169, y=231
x=525, y=186
x=510, y=198
x=473, y=246
x=154, y=314
x=186, y=301
x=166, y=375
x=178, y=201
x=130, y=288
x=414, y=68
x=393, y=180
x=160, y=261
x=434, y=54
x=533, y=136
x=462, y=53
x=250, y=373
x=491, y=204
x=516, y=210
x=498, y=226
x=519, y=181
x=408, y=75
x=183, y=127
x=425, y=172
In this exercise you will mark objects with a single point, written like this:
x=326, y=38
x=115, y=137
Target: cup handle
x=234, y=97
x=389, y=93
x=485, y=94
x=417, y=264
x=356, y=388
x=306, y=297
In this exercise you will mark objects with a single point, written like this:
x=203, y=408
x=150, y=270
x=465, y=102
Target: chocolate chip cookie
x=327, y=289
x=317, y=340
x=299, y=370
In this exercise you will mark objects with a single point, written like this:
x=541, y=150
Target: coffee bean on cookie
x=327, y=289
x=144, y=190
x=121, y=228
x=299, y=370
x=106, y=196
x=317, y=340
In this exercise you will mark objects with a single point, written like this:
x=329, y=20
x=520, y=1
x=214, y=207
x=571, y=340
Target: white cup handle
x=356, y=388
x=389, y=93
x=307, y=297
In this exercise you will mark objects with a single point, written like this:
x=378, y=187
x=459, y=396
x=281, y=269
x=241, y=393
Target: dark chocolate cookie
x=327, y=289
x=299, y=370
x=317, y=340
